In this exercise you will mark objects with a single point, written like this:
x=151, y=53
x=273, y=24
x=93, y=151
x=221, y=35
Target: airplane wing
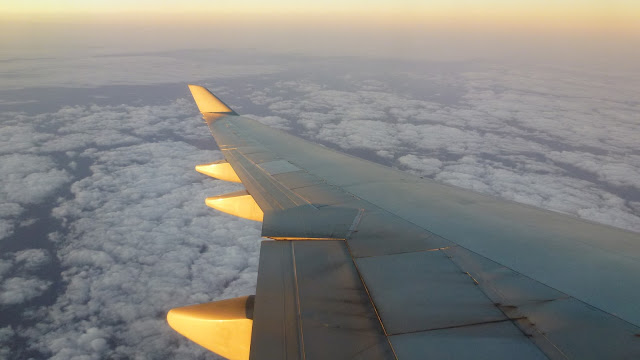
x=366, y=262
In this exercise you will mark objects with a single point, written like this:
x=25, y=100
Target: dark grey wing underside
x=373, y=263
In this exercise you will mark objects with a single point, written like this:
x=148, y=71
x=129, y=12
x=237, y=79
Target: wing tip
x=207, y=102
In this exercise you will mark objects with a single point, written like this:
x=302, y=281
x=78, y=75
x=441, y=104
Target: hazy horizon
x=549, y=32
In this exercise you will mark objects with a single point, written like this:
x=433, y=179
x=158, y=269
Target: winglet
x=207, y=102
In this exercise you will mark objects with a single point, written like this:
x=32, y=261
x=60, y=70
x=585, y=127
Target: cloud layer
x=103, y=225
x=76, y=70
x=135, y=238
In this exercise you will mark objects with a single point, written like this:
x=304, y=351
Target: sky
x=575, y=8
x=547, y=30
x=103, y=226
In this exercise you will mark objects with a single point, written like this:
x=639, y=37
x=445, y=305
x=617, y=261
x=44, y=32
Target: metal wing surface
x=368, y=262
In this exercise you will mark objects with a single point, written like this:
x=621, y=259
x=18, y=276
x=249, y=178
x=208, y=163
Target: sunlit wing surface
x=367, y=262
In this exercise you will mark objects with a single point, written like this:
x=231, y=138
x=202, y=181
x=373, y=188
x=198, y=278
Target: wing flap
x=310, y=303
x=560, y=325
x=499, y=340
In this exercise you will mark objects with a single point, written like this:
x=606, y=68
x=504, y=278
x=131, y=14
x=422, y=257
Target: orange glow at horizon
x=542, y=19
x=583, y=12
x=400, y=28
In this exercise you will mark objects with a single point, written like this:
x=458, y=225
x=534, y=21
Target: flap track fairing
x=220, y=170
x=239, y=203
x=223, y=327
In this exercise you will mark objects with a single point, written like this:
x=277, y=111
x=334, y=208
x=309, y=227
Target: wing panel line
x=298, y=306
x=373, y=304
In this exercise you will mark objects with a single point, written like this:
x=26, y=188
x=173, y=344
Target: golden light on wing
x=223, y=327
x=239, y=203
x=220, y=170
x=207, y=102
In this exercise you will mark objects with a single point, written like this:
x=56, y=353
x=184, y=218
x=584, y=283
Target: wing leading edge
x=370, y=262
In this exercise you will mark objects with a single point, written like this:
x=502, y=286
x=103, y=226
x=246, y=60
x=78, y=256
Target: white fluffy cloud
x=424, y=166
x=26, y=180
x=17, y=290
x=8, y=218
x=32, y=259
x=360, y=134
x=274, y=122
x=29, y=179
x=618, y=170
x=18, y=282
